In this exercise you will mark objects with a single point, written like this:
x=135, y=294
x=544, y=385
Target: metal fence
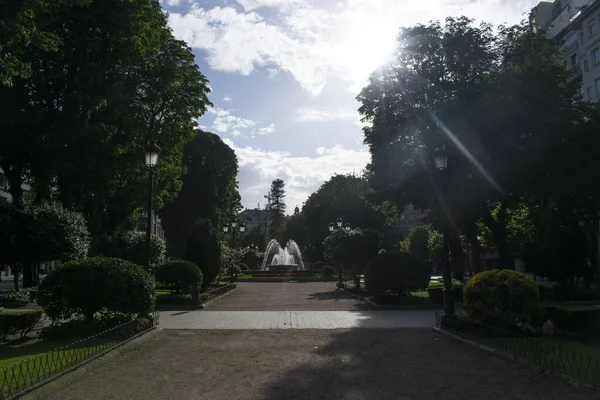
x=551, y=353
x=20, y=378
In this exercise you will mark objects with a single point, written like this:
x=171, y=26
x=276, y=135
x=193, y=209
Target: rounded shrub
x=328, y=272
x=96, y=284
x=396, y=272
x=244, y=267
x=501, y=296
x=319, y=265
x=236, y=269
x=180, y=274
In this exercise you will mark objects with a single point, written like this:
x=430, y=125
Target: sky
x=284, y=75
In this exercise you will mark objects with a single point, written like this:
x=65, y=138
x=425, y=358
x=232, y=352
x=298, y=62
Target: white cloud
x=226, y=122
x=313, y=43
x=171, y=3
x=272, y=72
x=311, y=114
x=250, y=5
x=302, y=175
x=227, y=99
x=267, y=130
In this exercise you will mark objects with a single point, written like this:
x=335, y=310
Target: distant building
x=254, y=218
x=575, y=25
x=410, y=218
x=142, y=224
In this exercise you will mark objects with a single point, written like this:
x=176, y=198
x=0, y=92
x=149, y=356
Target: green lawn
x=424, y=294
x=25, y=363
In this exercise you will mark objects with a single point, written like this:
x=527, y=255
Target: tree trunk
x=595, y=264
x=499, y=235
x=471, y=233
x=15, y=272
x=458, y=257
x=28, y=275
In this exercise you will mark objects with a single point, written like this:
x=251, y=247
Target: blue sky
x=284, y=76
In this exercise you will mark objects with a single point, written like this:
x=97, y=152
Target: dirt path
x=312, y=364
x=288, y=296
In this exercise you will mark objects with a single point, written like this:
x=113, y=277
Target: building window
x=598, y=88
x=585, y=66
x=592, y=28
x=589, y=94
x=573, y=60
x=596, y=56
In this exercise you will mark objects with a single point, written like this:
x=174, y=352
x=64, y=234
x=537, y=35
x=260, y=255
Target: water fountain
x=286, y=259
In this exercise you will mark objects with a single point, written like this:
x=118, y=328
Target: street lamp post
x=233, y=228
x=440, y=159
x=152, y=151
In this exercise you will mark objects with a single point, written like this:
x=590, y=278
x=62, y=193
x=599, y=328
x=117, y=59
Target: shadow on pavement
x=411, y=364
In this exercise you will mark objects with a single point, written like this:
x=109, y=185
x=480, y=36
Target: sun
x=361, y=45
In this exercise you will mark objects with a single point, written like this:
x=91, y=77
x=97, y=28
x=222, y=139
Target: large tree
x=501, y=104
x=209, y=190
x=342, y=196
x=277, y=205
x=76, y=127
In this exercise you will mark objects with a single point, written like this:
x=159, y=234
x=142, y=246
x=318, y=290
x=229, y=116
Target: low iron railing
x=551, y=353
x=22, y=377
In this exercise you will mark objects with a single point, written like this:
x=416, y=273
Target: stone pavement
x=295, y=319
x=280, y=296
x=292, y=364
x=310, y=305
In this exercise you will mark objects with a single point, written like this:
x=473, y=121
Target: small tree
x=32, y=234
x=131, y=246
x=417, y=243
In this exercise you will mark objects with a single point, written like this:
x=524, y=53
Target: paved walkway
x=348, y=364
x=284, y=296
x=295, y=319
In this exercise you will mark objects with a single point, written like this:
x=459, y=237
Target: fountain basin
x=283, y=268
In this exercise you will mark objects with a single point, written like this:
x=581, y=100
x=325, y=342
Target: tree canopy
x=76, y=125
x=506, y=111
x=209, y=190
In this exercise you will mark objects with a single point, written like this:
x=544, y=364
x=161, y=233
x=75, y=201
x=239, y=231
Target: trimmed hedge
x=581, y=321
x=180, y=274
x=22, y=322
x=95, y=284
x=435, y=291
x=501, y=296
x=328, y=272
x=396, y=272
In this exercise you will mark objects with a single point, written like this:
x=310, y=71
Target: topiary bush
x=328, y=272
x=96, y=284
x=319, y=265
x=502, y=297
x=244, y=267
x=131, y=246
x=179, y=274
x=396, y=272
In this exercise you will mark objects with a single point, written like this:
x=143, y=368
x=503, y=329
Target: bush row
x=21, y=322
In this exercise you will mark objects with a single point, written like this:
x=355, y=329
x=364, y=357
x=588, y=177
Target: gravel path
x=278, y=296
x=313, y=364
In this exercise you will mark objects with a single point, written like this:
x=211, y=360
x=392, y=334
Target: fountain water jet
x=288, y=258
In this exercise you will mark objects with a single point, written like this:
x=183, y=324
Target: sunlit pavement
x=295, y=319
